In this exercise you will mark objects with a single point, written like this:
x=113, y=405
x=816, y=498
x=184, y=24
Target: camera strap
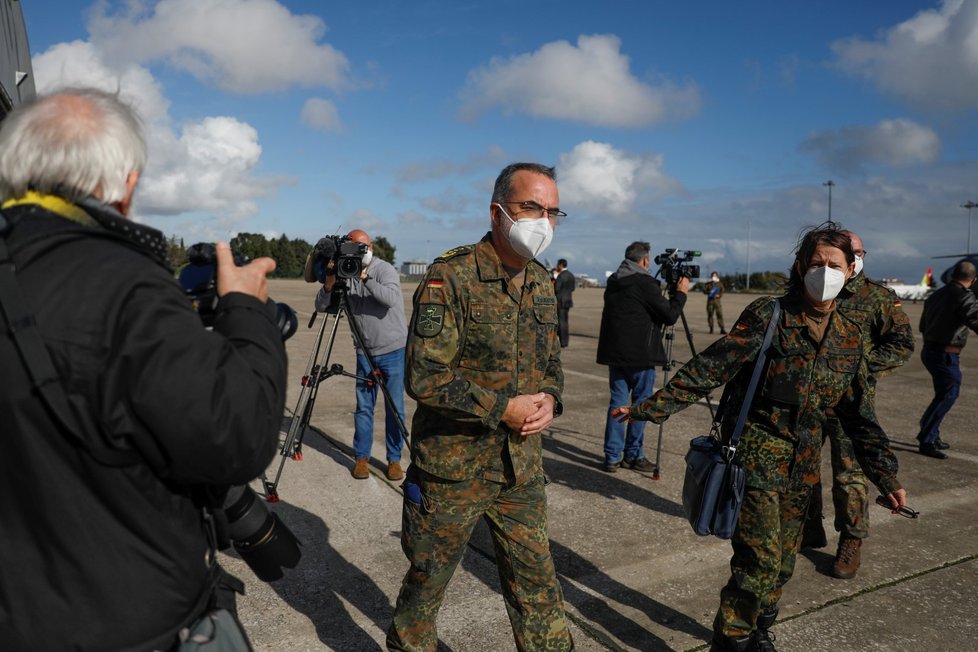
x=35, y=357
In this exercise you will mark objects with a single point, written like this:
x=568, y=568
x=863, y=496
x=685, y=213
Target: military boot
x=722, y=643
x=847, y=558
x=764, y=639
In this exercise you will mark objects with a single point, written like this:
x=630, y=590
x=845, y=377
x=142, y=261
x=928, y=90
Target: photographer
x=105, y=454
x=630, y=343
x=376, y=302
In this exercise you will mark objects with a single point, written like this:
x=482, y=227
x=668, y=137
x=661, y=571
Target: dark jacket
x=632, y=319
x=95, y=557
x=948, y=314
x=564, y=289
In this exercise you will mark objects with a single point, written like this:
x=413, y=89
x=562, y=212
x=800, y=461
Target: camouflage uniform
x=888, y=343
x=713, y=305
x=782, y=438
x=477, y=340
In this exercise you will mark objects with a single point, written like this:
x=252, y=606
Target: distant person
x=630, y=344
x=376, y=303
x=105, y=546
x=948, y=314
x=888, y=344
x=483, y=363
x=713, y=289
x=564, y=289
x=814, y=365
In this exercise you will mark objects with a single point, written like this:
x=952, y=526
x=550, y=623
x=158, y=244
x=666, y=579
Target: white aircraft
x=917, y=292
x=585, y=281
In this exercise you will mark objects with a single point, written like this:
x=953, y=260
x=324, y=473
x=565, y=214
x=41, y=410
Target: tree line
x=289, y=254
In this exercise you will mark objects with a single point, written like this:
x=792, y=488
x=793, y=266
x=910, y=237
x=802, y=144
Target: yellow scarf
x=54, y=204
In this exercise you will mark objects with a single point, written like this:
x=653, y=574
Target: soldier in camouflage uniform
x=816, y=363
x=483, y=363
x=888, y=343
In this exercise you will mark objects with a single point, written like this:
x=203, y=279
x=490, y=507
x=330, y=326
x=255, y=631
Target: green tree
x=176, y=251
x=384, y=249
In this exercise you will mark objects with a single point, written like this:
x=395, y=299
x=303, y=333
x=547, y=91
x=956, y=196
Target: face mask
x=859, y=264
x=715, y=278
x=529, y=238
x=367, y=257
x=824, y=283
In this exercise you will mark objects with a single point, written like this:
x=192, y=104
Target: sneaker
x=611, y=467
x=394, y=471
x=640, y=464
x=847, y=558
x=361, y=470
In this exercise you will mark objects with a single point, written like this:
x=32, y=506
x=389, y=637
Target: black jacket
x=632, y=319
x=94, y=557
x=947, y=316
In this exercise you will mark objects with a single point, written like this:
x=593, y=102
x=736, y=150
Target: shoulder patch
x=431, y=318
x=457, y=251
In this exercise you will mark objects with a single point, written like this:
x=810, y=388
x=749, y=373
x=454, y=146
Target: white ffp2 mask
x=529, y=238
x=824, y=283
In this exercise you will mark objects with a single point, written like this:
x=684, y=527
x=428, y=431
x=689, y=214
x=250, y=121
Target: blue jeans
x=629, y=385
x=391, y=367
x=945, y=373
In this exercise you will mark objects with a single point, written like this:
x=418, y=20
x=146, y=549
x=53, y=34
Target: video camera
x=674, y=264
x=345, y=254
x=198, y=278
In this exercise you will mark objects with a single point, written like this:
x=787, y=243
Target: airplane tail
x=928, y=279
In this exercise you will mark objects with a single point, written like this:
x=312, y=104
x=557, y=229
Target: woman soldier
x=815, y=366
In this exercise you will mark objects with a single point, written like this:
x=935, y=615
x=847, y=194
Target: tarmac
x=634, y=575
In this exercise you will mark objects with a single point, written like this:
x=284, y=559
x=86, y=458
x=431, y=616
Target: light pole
x=748, y=254
x=969, y=205
x=830, y=183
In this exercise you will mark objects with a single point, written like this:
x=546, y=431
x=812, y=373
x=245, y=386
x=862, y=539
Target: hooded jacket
x=634, y=313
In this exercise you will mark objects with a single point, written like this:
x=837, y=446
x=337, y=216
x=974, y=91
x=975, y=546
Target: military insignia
x=545, y=300
x=436, y=283
x=457, y=251
x=431, y=317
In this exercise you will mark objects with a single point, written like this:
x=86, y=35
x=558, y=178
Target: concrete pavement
x=634, y=575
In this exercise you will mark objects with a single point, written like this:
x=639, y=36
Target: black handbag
x=713, y=489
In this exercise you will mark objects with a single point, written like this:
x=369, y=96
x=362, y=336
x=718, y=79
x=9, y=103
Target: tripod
x=668, y=338
x=317, y=370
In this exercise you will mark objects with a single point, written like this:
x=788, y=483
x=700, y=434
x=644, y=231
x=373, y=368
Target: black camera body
x=346, y=256
x=198, y=278
x=674, y=264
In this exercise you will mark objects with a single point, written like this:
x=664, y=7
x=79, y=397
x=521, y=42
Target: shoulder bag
x=713, y=489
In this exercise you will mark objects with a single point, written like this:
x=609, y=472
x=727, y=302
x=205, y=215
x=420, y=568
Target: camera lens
x=260, y=537
x=349, y=267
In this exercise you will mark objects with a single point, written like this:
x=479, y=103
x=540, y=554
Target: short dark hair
x=963, y=271
x=830, y=234
x=563, y=262
x=638, y=250
x=504, y=182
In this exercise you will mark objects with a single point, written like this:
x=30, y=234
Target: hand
x=249, y=279
x=898, y=499
x=682, y=285
x=542, y=417
x=621, y=413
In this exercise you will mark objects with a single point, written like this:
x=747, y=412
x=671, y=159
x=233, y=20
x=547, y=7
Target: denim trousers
x=945, y=372
x=391, y=368
x=628, y=385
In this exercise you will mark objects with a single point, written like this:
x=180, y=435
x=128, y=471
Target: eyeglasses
x=904, y=511
x=537, y=211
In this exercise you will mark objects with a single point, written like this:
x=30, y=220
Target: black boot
x=722, y=643
x=764, y=640
x=812, y=532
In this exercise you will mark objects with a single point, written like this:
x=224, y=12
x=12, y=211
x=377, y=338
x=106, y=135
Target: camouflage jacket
x=475, y=342
x=782, y=438
x=887, y=333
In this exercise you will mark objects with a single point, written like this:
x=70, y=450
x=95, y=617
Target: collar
x=55, y=204
x=487, y=260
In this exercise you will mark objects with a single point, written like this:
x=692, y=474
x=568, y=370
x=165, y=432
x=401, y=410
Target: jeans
x=628, y=385
x=945, y=373
x=391, y=367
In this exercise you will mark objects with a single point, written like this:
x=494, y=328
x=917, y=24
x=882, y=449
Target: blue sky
x=698, y=125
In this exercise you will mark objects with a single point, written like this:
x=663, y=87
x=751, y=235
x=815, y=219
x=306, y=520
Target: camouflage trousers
x=850, y=486
x=765, y=545
x=434, y=536
x=714, y=307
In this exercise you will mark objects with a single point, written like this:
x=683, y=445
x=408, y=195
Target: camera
x=345, y=254
x=264, y=542
x=198, y=278
x=674, y=264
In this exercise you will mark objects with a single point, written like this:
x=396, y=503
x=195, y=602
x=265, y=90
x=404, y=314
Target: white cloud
x=243, y=46
x=321, y=115
x=205, y=165
x=590, y=82
x=930, y=60
x=596, y=177
x=895, y=143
